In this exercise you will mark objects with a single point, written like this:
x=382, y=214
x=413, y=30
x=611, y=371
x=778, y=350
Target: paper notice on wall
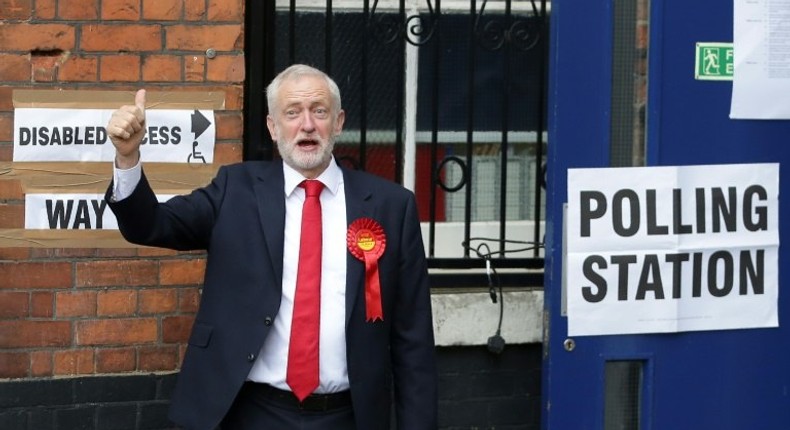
x=761, y=79
x=672, y=249
x=71, y=212
x=80, y=135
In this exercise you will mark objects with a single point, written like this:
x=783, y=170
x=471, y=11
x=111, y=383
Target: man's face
x=304, y=124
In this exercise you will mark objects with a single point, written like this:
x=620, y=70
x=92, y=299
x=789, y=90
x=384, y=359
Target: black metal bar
x=470, y=125
x=328, y=39
x=259, y=71
x=400, y=96
x=480, y=263
x=541, y=118
x=437, y=53
x=505, y=127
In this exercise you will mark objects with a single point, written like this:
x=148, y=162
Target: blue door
x=616, y=66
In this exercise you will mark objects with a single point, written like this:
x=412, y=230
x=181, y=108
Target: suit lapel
x=359, y=204
x=270, y=195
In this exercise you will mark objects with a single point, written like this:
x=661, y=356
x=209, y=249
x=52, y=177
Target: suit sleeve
x=412, y=343
x=181, y=223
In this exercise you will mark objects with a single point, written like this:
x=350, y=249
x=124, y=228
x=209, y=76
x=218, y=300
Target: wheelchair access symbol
x=199, y=124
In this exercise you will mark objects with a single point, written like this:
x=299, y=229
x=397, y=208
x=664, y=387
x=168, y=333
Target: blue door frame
x=719, y=380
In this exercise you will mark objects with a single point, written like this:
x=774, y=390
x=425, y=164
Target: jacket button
x=250, y=357
x=267, y=321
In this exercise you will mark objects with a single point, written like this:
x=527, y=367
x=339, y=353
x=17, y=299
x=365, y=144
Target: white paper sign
x=670, y=249
x=172, y=136
x=761, y=77
x=71, y=212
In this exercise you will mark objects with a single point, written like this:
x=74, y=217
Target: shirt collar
x=331, y=177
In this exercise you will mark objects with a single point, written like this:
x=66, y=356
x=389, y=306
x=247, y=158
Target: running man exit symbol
x=714, y=61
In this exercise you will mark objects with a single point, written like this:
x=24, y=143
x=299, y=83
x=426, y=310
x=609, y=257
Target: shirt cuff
x=125, y=181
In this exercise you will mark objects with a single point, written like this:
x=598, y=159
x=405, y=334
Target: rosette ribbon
x=366, y=241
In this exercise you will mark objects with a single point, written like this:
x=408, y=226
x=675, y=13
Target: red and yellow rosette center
x=366, y=241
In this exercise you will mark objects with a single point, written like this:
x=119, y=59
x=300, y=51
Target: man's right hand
x=126, y=130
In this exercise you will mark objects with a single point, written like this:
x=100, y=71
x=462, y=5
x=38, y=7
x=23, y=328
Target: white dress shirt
x=271, y=364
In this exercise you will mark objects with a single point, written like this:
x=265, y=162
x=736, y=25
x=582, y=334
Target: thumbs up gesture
x=126, y=130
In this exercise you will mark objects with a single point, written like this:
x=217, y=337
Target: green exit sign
x=714, y=61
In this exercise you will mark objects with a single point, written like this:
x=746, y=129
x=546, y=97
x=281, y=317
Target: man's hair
x=297, y=71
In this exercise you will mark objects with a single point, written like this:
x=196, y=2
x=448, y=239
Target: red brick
x=78, y=9
x=6, y=98
x=225, y=10
x=79, y=69
x=116, y=252
x=115, y=68
x=194, y=10
x=227, y=153
x=6, y=152
x=128, y=10
x=7, y=133
x=10, y=189
x=14, y=364
x=156, y=252
x=12, y=215
x=32, y=334
x=42, y=304
x=221, y=37
x=14, y=67
x=50, y=274
x=50, y=253
x=158, y=301
x=162, y=68
x=117, y=303
x=226, y=68
x=15, y=9
x=234, y=96
x=182, y=272
x=121, y=37
x=45, y=9
x=117, y=331
x=44, y=68
x=74, y=362
x=176, y=329
x=14, y=253
x=110, y=273
x=15, y=37
x=158, y=358
x=188, y=300
x=79, y=304
x=229, y=124
x=163, y=10
x=40, y=363
x=194, y=68
x=14, y=304
x=115, y=360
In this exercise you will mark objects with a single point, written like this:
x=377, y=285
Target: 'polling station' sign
x=71, y=212
x=80, y=135
x=672, y=249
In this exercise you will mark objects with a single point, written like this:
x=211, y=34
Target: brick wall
x=85, y=311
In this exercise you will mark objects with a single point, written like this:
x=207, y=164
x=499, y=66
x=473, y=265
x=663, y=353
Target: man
x=376, y=334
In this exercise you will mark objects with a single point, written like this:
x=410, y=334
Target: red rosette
x=366, y=241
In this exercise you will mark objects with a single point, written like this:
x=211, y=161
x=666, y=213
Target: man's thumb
x=139, y=99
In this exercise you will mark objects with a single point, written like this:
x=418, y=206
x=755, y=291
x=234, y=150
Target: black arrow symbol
x=199, y=123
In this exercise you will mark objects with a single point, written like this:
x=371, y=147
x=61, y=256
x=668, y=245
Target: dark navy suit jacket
x=239, y=219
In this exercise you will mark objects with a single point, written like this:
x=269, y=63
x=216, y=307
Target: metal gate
x=446, y=98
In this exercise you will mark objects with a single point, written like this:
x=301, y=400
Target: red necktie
x=302, y=373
